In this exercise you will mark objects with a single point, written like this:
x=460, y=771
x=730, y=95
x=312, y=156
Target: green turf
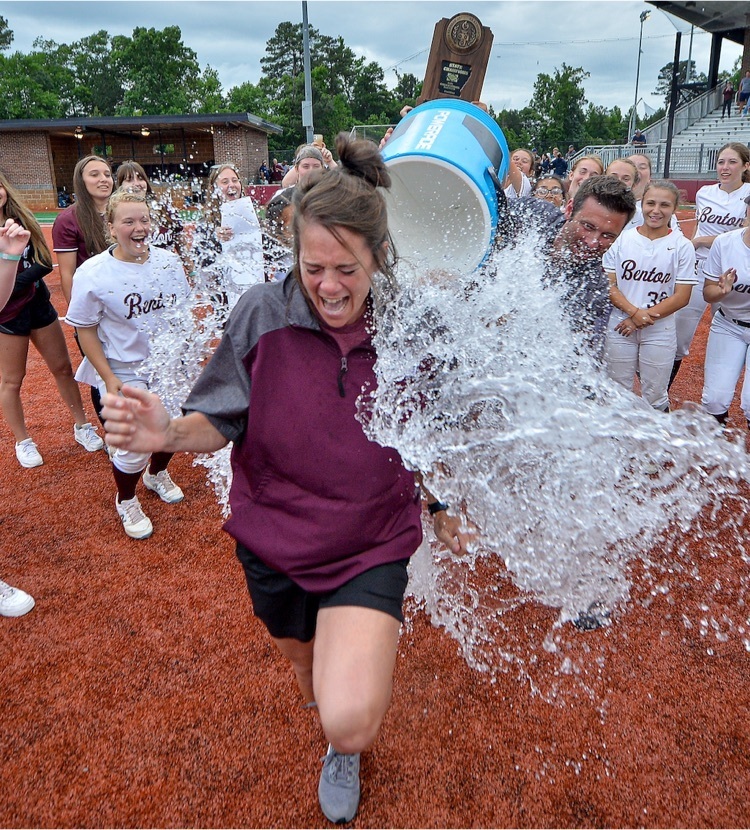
x=46, y=217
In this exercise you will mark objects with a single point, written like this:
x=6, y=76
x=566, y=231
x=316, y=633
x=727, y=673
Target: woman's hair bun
x=363, y=159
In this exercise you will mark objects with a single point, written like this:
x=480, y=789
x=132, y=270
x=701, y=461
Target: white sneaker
x=87, y=437
x=28, y=455
x=163, y=486
x=13, y=601
x=135, y=522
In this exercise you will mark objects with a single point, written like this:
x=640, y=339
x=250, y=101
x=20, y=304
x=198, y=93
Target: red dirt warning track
x=141, y=692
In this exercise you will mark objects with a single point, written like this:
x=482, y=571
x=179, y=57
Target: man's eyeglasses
x=543, y=191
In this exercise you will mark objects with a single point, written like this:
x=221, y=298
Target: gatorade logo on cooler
x=433, y=130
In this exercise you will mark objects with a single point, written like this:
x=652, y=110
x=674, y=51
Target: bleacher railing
x=686, y=115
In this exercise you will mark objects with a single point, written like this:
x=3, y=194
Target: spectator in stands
x=744, y=93
x=558, y=164
x=638, y=139
x=728, y=96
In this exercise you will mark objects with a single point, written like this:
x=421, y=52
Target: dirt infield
x=141, y=692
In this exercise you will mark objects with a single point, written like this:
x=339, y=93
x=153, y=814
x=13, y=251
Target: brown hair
x=663, y=184
x=87, y=216
x=636, y=174
x=609, y=192
x=120, y=197
x=642, y=156
x=275, y=208
x=532, y=157
x=212, y=207
x=348, y=197
x=595, y=159
x=15, y=209
x=742, y=151
x=132, y=170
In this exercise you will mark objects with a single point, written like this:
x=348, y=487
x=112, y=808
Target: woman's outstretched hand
x=135, y=420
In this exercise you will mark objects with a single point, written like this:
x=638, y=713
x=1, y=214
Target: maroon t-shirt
x=348, y=337
x=67, y=235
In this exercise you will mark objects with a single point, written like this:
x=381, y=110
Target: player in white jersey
x=719, y=208
x=727, y=273
x=117, y=301
x=651, y=274
x=643, y=165
x=520, y=172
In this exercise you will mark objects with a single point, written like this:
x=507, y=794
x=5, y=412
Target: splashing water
x=578, y=492
x=190, y=330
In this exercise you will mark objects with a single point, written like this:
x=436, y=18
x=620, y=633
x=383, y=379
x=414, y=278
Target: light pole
x=644, y=17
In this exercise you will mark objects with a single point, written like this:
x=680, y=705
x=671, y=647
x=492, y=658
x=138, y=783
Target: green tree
x=603, y=126
x=6, y=35
x=98, y=90
x=160, y=74
x=208, y=92
x=248, y=97
x=664, y=81
x=284, y=51
x=341, y=63
x=408, y=88
x=515, y=127
x=558, y=103
x=34, y=86
x=371, y=98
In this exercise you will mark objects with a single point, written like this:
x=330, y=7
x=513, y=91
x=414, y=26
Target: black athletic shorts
x=289, y=611
x=37, y=314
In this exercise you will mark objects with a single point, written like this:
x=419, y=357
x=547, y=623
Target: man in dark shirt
x=576, y=242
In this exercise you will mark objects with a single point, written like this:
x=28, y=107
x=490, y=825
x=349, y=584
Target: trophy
x=458, y=59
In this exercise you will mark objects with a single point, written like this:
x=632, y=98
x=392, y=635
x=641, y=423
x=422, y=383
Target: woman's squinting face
x=97, y=177
x=549, y=190
x=336, y=277
x=229, y=184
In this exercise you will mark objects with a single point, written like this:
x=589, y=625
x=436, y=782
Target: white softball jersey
x=637, y=219
x=125, y=300
x=730, y=251
x=718, y=212
x=647, y=270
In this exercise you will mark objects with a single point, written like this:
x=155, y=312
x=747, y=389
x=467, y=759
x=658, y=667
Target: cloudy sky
x=600, y=36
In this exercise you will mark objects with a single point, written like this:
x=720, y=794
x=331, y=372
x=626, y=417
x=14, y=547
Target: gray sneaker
x=338, y=791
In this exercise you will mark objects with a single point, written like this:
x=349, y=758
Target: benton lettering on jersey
x=705, y=215
x=136, y=305
x=630, y=271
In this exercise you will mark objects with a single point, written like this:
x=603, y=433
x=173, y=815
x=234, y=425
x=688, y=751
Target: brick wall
x=38, y=163
x=246, y=149
x=25, y=160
